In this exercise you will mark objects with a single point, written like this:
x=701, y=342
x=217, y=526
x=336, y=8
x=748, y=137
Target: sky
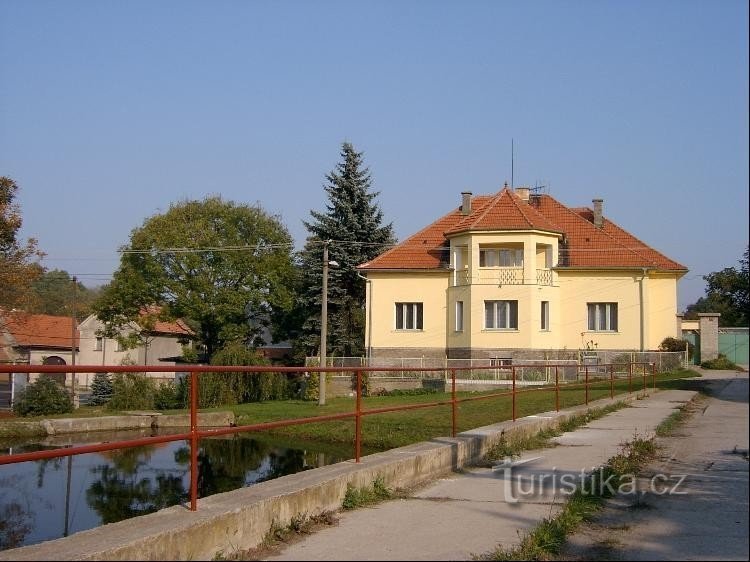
x=110, y=111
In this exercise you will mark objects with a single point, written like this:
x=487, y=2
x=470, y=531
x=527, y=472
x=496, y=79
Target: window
x=501, y=315
x=459, y=316
x=119, y=346
x=501, y=361
x=98, y=344
x=408, y=315
x=602, y=316
x=545, y=315
x=504, y=257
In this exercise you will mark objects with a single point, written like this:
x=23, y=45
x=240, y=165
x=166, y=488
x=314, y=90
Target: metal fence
x=528, y=371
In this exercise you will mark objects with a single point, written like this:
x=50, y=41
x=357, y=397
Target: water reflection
x=49, y=499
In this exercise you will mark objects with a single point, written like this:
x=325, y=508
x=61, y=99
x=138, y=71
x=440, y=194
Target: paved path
x=473, y=512
x=710, y=520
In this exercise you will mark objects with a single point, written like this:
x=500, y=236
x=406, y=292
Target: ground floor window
x=501, y=315
x=602, y=316
x=409, y=315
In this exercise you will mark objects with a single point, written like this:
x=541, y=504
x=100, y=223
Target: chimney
x=598, y=220
x=523, y=193
x=466, y=202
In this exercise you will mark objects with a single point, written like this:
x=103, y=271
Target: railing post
x=630, y=377
x=193, y=441
x=653, y=375
x=513, y=391
x=557, y=389
x=611, y=381
x=586, y=384
x=358, y=420
x=644, y=378
x=454, y=412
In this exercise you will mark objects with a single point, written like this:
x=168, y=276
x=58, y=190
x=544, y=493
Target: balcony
x=544, y=277
x=500, y=276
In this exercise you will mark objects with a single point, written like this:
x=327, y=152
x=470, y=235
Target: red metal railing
x=195, y=433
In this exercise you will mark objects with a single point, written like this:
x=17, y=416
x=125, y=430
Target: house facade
x=41, y=339
x=160, y=345
x=519, y=275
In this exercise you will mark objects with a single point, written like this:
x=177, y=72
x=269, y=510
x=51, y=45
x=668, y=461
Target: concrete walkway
x=709, y=521
x=472, y=512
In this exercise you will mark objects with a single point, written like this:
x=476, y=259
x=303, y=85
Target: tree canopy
x=224, y=268
x=727, y=293
x=53, y=294
x=18, y=260
x=353, y=223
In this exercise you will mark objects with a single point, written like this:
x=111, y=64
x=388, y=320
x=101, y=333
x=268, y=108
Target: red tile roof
x=38, y=330
x=582, y=245
x=505, y=211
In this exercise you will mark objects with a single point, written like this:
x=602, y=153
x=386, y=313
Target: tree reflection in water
x=128, y=487
x=122, y=492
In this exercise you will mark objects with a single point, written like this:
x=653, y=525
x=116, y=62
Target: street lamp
x=324, y=324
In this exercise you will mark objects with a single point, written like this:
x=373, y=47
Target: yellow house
x=519, y=275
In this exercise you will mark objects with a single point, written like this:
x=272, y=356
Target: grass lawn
x=395, y=429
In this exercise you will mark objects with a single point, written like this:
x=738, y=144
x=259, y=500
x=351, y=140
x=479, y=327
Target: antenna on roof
x=512, y=158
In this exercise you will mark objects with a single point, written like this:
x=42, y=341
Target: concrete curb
x=240, y=519
x=143, y=420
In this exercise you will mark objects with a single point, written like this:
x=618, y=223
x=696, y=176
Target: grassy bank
x=395, y=429
x=389, y=430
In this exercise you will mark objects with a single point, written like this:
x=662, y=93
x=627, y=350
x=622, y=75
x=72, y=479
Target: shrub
x=721, y=363
x=42, y=398
x=132, y=391
x=674, y=344
x=170, y=396
x=101, y=389
x=216, y=389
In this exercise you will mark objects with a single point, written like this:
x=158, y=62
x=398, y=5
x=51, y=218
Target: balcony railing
x=544, y=277
x=501, y=276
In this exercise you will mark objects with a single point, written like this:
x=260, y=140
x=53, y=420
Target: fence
x=492, y=369
x=637, y=376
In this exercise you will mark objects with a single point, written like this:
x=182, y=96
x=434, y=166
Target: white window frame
x=501, y=315
x=409, y=313
x=501, y=257
x=459, y=316
x=602, y=317
x=544, y=316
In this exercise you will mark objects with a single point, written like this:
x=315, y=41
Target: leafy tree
x=18, y=260
x=224, y=268
x=53, y=292
x=727, y=292
x=353, y=222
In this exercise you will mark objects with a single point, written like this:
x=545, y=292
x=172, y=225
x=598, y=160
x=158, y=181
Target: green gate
x=733, y=342
x=695, y=339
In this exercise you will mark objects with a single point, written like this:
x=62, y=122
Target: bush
x=217, y=389
x=674, y=344
x=170, y=396
x=132, y=391
x=101, y=389
x=720, y=363
x=42, y=398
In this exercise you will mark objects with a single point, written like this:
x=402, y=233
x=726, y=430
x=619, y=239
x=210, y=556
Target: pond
x=49, y=499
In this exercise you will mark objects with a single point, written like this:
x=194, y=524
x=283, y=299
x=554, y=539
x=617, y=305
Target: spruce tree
x=353, y=223
x=101, y=389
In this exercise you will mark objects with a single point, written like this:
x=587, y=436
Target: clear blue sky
x=111, y=110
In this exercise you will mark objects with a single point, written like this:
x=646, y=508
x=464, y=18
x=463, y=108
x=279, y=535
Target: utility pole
x=323, y=328
x=74, y=379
